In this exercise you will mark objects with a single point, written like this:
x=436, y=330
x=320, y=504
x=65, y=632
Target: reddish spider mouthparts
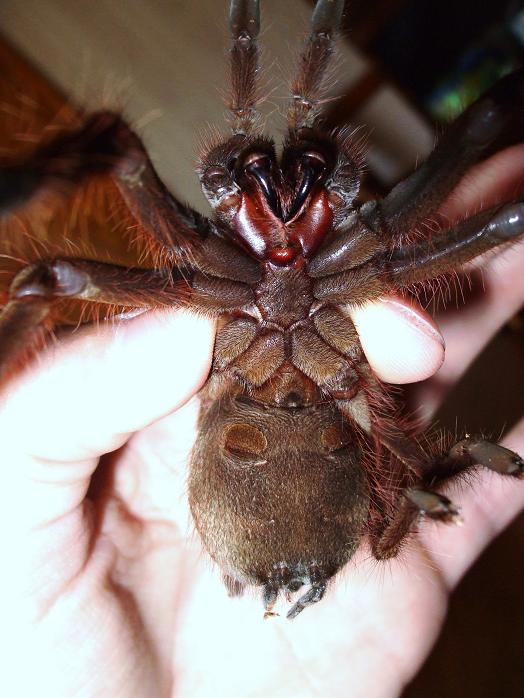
x=300, y=453
x=260, y=229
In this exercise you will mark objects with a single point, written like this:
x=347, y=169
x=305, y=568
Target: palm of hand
x=144, y=577
x=140, y=577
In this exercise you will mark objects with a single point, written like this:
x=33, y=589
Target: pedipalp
x=244, y=24
x=308, y=84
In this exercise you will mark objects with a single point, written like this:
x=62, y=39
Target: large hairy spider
x=299, y=453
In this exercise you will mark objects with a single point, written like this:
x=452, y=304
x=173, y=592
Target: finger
x=487, y=507
x=85, y=398
x=402, y=342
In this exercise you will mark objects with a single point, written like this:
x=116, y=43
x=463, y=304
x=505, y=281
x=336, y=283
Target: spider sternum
x=284, y=294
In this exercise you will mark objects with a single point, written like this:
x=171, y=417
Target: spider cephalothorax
x=299, y=454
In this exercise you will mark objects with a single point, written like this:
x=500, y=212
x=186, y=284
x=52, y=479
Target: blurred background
x=405, y=69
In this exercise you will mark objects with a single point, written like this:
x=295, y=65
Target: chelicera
x=299, y=455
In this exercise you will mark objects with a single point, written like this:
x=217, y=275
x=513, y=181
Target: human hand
x=105, y=589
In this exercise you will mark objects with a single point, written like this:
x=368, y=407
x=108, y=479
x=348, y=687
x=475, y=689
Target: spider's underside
x=299, y=455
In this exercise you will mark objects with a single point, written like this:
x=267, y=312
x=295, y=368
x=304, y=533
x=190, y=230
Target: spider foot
x=434, y=505
x=244, y=16
x=490, y=455
x=327, y=16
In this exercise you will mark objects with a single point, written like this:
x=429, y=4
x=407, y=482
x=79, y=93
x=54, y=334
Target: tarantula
x=299, y=453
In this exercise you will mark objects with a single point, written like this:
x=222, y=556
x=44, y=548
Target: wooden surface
x=481, y=650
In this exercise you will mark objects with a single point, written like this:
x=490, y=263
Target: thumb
x=401, y=341
x=85, y=398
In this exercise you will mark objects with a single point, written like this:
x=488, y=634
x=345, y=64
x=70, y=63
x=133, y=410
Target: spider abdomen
x=277, y=488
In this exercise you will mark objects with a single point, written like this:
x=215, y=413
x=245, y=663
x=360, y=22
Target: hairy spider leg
x=421, y=499
x=307, y=87
x=386, y=271
x=106, y=144
x=244, y=24
x=35, y=289
x=196, y=268
x=459, y=244
x=471, y=138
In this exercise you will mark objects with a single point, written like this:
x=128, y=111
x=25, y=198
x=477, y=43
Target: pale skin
x=111, y=595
